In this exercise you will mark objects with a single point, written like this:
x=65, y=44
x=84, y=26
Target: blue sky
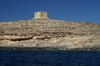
x=67, y=10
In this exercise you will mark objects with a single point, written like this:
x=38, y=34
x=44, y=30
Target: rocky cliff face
x=47, y=29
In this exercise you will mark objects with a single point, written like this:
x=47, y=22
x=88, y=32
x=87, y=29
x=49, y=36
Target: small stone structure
x=40, y=14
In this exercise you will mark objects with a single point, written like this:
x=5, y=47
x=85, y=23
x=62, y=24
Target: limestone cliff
x=63, y=33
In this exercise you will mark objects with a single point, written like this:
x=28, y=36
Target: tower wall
x=41, y=14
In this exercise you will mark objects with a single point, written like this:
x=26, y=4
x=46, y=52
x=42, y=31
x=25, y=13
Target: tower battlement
x=40, y=14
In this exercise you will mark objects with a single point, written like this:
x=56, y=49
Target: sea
x=49, y=58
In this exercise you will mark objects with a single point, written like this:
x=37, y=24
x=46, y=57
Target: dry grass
x=48, y=27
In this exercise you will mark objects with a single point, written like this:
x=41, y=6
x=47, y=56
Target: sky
x=66, y=10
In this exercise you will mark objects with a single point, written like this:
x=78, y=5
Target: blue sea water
x=49, y=58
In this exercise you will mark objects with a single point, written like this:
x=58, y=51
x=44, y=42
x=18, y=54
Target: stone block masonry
x=41, y=14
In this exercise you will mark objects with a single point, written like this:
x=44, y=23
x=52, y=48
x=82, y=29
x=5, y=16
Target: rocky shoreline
x=45, y=48
x=61, y=43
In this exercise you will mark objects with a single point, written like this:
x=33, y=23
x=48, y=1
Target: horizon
x=65, y=10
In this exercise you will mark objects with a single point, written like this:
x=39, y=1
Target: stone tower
x=40, y=14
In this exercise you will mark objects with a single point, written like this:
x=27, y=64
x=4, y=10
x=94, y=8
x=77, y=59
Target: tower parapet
x=40, y=14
